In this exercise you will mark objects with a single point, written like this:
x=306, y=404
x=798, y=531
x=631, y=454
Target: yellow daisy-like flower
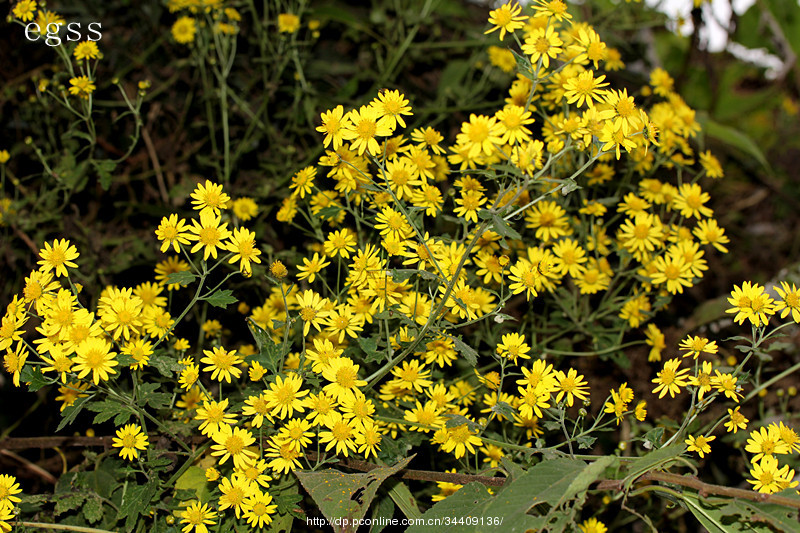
x=24, y=10
x=341, y=434
x=208, y=196
x=172, y=232
x=542, y=44
x=699, y=444
x=259, y=509
x=592, y=525
x=288, y=23
x=284, y=396
x=751, y=303
x=513, y=346
x=58, y=257
x=694, y=346
x=94, y=355
x=572, y=385
x=243, y=245
x=130, y=439
x=9, y=488
x=184, y=29
x=197, y=517
x=245, y=208
x=365, y=124
x=82, y=86
x=766, y=476
x=790, y=301
x=209, y=234
x=506, y=18
x=460, y=440
x=342, y=375
x=334, y=124
x=392, y=105
x=86, y=50
x=766, y=441
x=222, y=363
x=736, y=420
x=232, y=443
x=670, y=379
x=312, y=310
x=213, y=416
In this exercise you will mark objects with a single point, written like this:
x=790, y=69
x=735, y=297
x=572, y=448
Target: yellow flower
x=670, y=379
x=751, y=303
x=208, y=197
x=460, y=439
x=766, y=477
x=183, y=30
x=209, y=234
x=288, y=23
x=699, y=444
x=172, y=232
x=232, y=443
x=364, y=125
x=94, y=355
x=245, y=208
x=736, y=420
x=592, y=525
x=340, y=434
x=4, y=157
x=131, y=439
x=223, y=363
x=542, y=44
x=573, y=385
x=58, y=256
x=243, y=245
x=342, y=376
x=86, y=50
x=197, y=517
x=24, y=10
x=392, y=105
x=259, y=509
x=284, y=396
x=513, y=346
x=506, y=18
x=82, y=86
x=334, y=123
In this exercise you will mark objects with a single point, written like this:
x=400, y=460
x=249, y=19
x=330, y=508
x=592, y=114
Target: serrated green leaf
x=467, y=351
x=181, y=278
x=502, y=228
x=339, y=495
x=71, y=412
x=32, y=375
x=104, y=168
x=269, y=354
x=93, y=510
x=166, y=366
x=69, y=501
x=136, y=500
x=221, y=298
x=107, y=409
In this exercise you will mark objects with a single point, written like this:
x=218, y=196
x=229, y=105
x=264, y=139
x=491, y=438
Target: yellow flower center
x=209, y=236
x=346, y=377
x=234, y=445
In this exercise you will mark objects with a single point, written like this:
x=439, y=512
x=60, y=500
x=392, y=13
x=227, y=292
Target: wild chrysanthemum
x=208, y=197
x=340, y=434
x=130, y=439
x=94, y=355
x=365, y=124
x=585, y=89
x=790, y=301
x=340, y=243
x=58, y=257
x=209, y=234
x=392, y=105
x=342, y=375
x=212, y=416
x=184, y=29
x=480, y=135
x=343, y=323
x=506, y=18
x=288, y=23
x=592, y=525
x=82, y=87
x=243, y=245
x=709, y=232
x=232, y=443
x=334, y=123
x=691, y=201
x=86, y=50
x=244, y=208
x=751, y=303
x=542, y=44
x=766, y=476
x=736, y=420
x=24, y=10
x=513, y=346
x=572, y=385
x=259, y=509
x=766, y=441
x=284, y=396
x=222, y=363
x=234, y=491
x=460, y=440
x=172, y=232
x=699, y=444
x=694, y=346
x=670, y=379
x=197, y=517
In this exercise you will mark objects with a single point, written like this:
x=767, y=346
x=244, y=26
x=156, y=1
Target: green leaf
x=780, y=517
x=269, y=354
x=93, y=510
x=104, y=168
x=469, y=499
x=222, y=298
x=402, y=497
x=654, y=459
x=166, y=366
x=194, y=480
x=549, y=482
x=32, y=375
x=71, y=412
x=504, y=409
x=108, y=409
x=735, y=138
x=340, y=495
x=587, y=476
x=382, y=511
x=181, y=278
x=136, y=500
x=502, y=228
x=68, y=502
x=468, y=352
x=149, y=396
x=728, y=518
x=370, y=347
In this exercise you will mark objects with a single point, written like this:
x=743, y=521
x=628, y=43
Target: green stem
x=62, y=527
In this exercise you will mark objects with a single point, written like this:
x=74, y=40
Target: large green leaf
x=345, y=498
x=655, y=459
x=733, y=137
x=468, y=500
